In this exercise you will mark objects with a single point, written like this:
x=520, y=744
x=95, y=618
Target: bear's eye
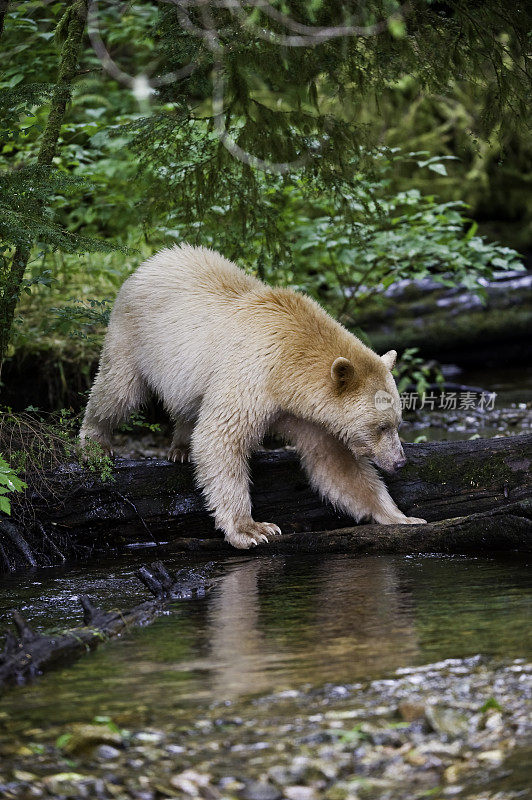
x=384, y=427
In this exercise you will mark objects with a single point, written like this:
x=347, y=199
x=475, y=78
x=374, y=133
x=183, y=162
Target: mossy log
x=156, y=502
x=29, y=653
x=453, y=323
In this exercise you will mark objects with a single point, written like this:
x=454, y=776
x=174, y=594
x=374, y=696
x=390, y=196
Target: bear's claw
x=179, y=454
x=251, y=533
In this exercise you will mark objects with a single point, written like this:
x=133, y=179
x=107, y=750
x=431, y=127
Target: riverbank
x=458, y=728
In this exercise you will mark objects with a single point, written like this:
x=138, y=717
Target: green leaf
x=62, y=740
x=397, y=27
x=439, y=168
x=5, y=505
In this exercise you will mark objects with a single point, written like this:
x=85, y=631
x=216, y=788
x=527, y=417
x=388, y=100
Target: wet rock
x=494, y=757
x=175, y=749
x=304, y=770
x=84, y=737
x=447, y=721
x=22, y=775
x=148, y=737
x=68, y=784
x=441, y=749
x=114, y=790
x=415, y=758
x=105, y=752
x=240, y=748
x=410, y=711
x=194, y=784
x=280, y=775
x=260, y=790
x=230, y=785
x=300, y=793
x=454, y=773
x=340, y=791
x=492, y=720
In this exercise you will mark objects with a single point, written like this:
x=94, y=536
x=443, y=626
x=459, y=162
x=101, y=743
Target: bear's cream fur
x=232, y=358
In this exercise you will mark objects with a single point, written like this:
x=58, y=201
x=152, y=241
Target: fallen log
x=499, y=530
x=28, y=654
x=156, y=503
x=453, y=323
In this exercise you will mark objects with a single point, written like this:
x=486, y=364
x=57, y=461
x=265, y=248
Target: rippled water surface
x=268, y=624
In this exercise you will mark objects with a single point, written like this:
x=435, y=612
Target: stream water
x=269, y=624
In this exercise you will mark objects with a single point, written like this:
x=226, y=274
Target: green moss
x=476, y=471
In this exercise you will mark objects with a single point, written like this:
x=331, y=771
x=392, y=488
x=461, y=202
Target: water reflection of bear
x=276, y=623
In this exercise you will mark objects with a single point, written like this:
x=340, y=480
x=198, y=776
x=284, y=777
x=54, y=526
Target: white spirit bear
x=232, y=358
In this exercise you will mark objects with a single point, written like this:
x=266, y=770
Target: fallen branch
x=29, y=654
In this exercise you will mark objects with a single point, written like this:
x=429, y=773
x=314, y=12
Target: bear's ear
x=389, y=359
x=342, y=373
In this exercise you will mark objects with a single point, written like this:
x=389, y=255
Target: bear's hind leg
x=116, y=392
x=180, y=447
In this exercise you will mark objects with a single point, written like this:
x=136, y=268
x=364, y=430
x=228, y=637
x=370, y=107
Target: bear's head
x=364, y=409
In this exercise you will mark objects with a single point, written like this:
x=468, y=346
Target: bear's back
x=185, y=271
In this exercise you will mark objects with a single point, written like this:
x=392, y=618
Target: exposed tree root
x=30, y=653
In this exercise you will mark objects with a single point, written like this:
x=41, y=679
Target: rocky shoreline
x=458, y=728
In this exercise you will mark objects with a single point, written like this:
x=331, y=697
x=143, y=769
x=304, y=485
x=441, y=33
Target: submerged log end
x=26, y=633
x=150, y=581
x=90, y=611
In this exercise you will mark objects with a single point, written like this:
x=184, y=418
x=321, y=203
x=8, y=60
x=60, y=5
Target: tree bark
x=474, y=494
x=60, y=98
x=3, y=13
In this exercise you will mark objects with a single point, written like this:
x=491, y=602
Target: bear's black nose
x=400, y=463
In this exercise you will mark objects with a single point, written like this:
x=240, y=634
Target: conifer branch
x=74, y=27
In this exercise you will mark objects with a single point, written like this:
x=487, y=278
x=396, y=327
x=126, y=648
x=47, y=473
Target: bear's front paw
x=413, y=521
x=250, y=533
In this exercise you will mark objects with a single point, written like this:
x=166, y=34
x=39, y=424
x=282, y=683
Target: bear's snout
x=399, y=463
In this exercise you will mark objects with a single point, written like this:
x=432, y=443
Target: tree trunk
x=61, y=96
x=474, y=494
x=3, y=12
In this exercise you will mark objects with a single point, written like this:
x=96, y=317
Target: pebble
x=493, y=721
x=449, y=721
x=299, y=793
x=175, y=749
x=260, y=790
x=491, y=756
x=105, y=752
x=148, y=737
x=410, y=711
x=229, y=784
x=21, y=775
x=68, y=784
